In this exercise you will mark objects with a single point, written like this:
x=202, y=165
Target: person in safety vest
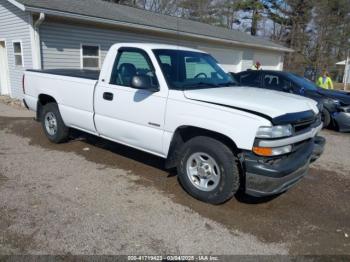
x=256, y=66
x=325, y=81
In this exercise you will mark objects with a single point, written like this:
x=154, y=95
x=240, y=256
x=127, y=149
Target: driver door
x=127, y=115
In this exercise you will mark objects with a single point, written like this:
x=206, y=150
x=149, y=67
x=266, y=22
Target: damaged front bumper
x=273, y=176
x=342, y=118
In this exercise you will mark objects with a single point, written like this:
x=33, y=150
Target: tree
x=168, y=7
x=200, y=10
x=124, y=2
x=255, y=7
x=291, y=21
x=331, y=32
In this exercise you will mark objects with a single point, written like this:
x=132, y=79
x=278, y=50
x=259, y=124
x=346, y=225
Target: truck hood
x=262, y=101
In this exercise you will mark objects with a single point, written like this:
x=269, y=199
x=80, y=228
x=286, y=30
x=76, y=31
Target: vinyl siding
x=230, y=60
x=14, y=26
x=247, y=59
x=61, y=46
x=268, y=60
x=60, y=43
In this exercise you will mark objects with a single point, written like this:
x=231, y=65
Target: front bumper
x=343, y=121
x=274, y=176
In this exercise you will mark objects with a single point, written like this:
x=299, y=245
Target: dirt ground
x=340, y=86
x=91, y=196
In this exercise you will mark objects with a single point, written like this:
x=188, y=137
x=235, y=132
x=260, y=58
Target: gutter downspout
x=37, y=47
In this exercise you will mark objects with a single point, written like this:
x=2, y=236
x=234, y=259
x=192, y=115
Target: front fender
x=239, y=126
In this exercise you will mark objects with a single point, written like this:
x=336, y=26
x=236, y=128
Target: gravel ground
x=336, y=157
x=56, y=202
x=15, y=110
x=90, y=196
x=14, y=103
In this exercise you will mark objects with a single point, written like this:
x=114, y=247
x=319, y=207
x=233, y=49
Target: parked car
x=177, y=103
x=336, y=104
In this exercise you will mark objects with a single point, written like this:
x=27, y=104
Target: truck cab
x=179, y=104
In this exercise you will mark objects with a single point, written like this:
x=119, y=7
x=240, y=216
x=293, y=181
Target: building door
x=4, y=77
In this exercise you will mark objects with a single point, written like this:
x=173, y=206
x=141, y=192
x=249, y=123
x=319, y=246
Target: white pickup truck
x=179, y=104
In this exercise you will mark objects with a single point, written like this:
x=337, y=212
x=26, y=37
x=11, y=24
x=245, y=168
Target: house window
x=90, y=56
x=17, y=50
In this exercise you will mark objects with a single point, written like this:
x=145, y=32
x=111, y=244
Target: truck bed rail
x=87, y=74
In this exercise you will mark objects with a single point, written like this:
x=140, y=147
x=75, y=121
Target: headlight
x=274, y=131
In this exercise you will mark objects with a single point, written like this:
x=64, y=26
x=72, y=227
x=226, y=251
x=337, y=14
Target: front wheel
x=326, y=118
x=53, y=125
x=208, y=170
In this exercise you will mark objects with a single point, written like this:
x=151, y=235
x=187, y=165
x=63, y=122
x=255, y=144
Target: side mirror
x=143, y=82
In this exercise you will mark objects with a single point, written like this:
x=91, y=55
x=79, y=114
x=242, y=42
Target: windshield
x=191, y=70
x=303, y=82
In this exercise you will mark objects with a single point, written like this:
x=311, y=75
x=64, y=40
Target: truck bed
x=86, y=74
x=72, y=89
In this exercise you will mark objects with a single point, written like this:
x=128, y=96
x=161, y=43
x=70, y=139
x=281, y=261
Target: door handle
x=108, y=96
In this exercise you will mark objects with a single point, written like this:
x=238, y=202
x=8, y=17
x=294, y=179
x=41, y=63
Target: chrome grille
x=306, y=125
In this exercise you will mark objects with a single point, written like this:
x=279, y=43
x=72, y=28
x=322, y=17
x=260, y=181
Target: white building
x=77, y=34
x=346, y=75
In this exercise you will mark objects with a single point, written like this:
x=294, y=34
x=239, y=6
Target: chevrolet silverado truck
x=179, y=104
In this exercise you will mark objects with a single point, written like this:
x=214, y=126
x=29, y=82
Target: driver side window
x=130, y=63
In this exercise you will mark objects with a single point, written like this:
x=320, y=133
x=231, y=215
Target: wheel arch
x=184, y=133
x=43, y=99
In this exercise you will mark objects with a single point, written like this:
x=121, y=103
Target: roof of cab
x=152, y=46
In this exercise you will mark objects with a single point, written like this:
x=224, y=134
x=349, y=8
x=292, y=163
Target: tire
x=53, y=125
x=225, y=174
x=326, y=118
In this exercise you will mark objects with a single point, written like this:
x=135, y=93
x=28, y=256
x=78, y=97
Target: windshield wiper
x=227, y=84
x=199, y=84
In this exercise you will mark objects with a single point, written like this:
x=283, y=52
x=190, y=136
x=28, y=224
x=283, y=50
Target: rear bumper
x=265, y=178
x=343, y=121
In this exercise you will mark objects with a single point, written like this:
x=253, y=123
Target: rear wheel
x=208, y=170
x=326, y=118
x=53, y=125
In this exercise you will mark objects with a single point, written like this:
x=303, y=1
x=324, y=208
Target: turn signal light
x=263, y=151
x=272, y=151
